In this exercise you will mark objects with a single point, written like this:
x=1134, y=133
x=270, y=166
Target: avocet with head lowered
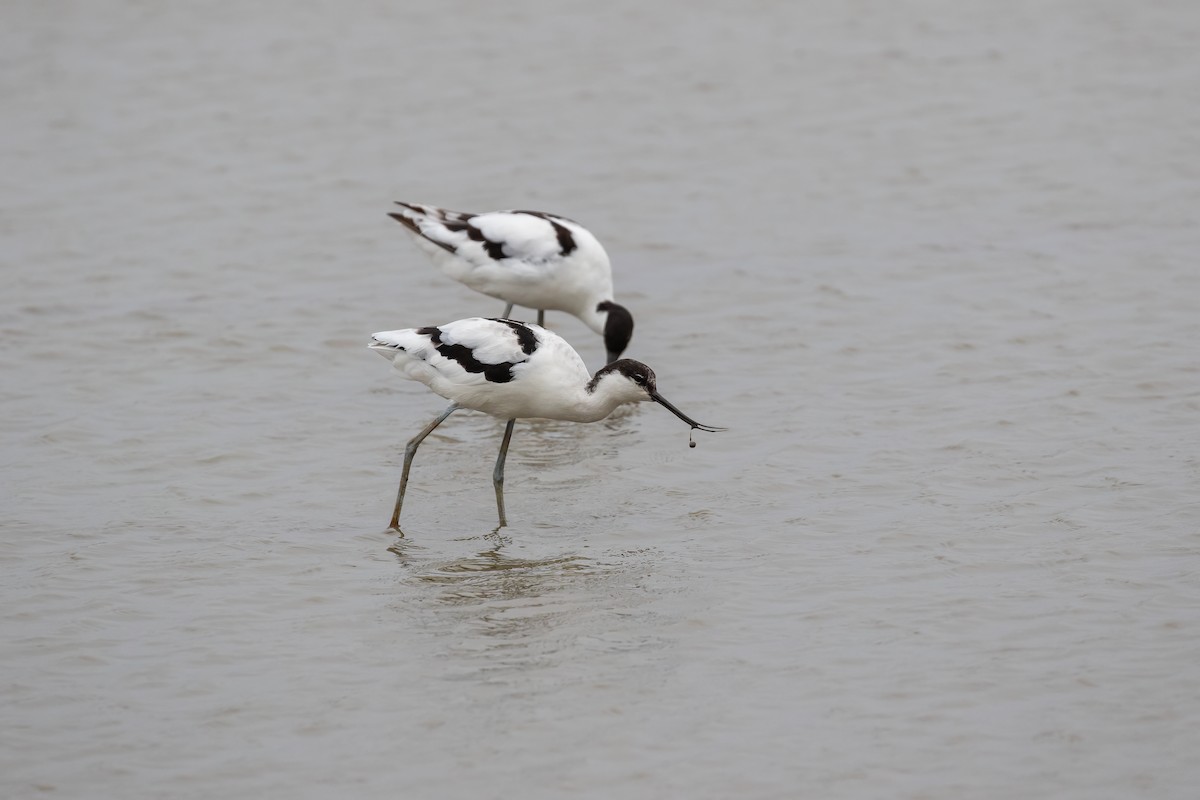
x=511, y=370
x=525, y=258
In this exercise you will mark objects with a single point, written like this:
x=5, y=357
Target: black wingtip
x=403, y=220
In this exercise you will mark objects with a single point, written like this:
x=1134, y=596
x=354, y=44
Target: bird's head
x=632, y=381
x=618, y=329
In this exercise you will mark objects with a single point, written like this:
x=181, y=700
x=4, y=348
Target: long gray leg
x=507, y=312
x=409, y=452
x=542, y=317
x=498, y=473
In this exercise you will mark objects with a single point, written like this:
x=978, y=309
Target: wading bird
x=525, y=258
x=511, y=370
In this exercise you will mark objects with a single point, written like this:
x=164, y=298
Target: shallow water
x=933, y=263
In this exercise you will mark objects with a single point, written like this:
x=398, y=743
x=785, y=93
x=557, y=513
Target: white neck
x=592, y=318
x=610, y=392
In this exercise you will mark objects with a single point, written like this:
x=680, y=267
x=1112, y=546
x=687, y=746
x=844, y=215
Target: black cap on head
x=641, y=375
x=636, y=371
x=618, y=328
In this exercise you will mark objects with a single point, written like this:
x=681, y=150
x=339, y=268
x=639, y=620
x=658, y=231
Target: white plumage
x=526, y=258
x=511, y=370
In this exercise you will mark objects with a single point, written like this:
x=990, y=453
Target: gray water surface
x=933, y=263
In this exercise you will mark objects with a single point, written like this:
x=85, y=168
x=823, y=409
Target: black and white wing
x=465, y=352
x=495, y=243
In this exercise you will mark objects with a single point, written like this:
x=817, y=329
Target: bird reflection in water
x=490, y=574
x=497, y=617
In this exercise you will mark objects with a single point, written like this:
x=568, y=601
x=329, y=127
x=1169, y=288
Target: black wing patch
x=412, y=226
x=566, y=241
x=495, y=250
x=458, y=223
x=465, y=356
x=461, y=222
x=525, y=336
